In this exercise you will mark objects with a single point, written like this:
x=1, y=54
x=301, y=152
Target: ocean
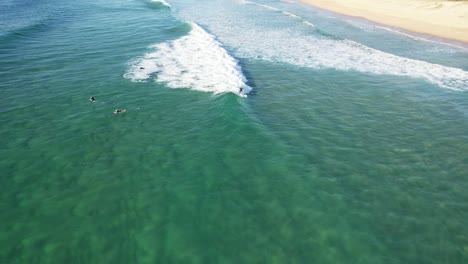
x=350, y=147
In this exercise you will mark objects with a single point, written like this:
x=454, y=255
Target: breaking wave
x=196, y=61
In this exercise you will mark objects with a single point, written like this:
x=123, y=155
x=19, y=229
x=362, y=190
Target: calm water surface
x=351, y=147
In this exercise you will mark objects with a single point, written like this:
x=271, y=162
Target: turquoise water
x=351, y=147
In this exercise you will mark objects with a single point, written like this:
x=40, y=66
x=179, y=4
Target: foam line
x=196, y=61
x=419, y=38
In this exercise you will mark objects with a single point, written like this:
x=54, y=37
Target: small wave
x=162, y=2
x=305, y=22
x=25, y=31
x=196, y=61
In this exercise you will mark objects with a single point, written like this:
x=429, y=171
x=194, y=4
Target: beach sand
x=446, y=19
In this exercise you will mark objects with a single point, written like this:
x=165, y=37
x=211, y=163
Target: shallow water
x=350, y=148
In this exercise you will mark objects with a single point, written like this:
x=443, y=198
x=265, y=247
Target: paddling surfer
x=117, y=111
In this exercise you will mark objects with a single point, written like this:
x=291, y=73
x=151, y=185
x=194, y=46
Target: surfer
x=241, y=90
x=142, y=68
x=91, y=99
x=116, y=111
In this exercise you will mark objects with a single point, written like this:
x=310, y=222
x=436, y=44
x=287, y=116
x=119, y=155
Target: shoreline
x=445, y=19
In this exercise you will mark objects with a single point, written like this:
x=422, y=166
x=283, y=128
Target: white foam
x=196, y=61
x=164, y=3
x=262, y=35
x=347, y=55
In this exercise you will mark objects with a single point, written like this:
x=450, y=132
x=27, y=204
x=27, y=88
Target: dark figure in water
x=91, y=99
x=116, y=111
x=241, y=90
x=142, y=68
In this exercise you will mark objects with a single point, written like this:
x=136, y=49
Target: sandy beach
x=446, y=19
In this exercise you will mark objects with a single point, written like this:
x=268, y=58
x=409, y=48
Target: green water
x=315, y=166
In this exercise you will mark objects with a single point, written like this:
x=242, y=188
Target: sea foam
x=348, y=55
x=196, y=61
